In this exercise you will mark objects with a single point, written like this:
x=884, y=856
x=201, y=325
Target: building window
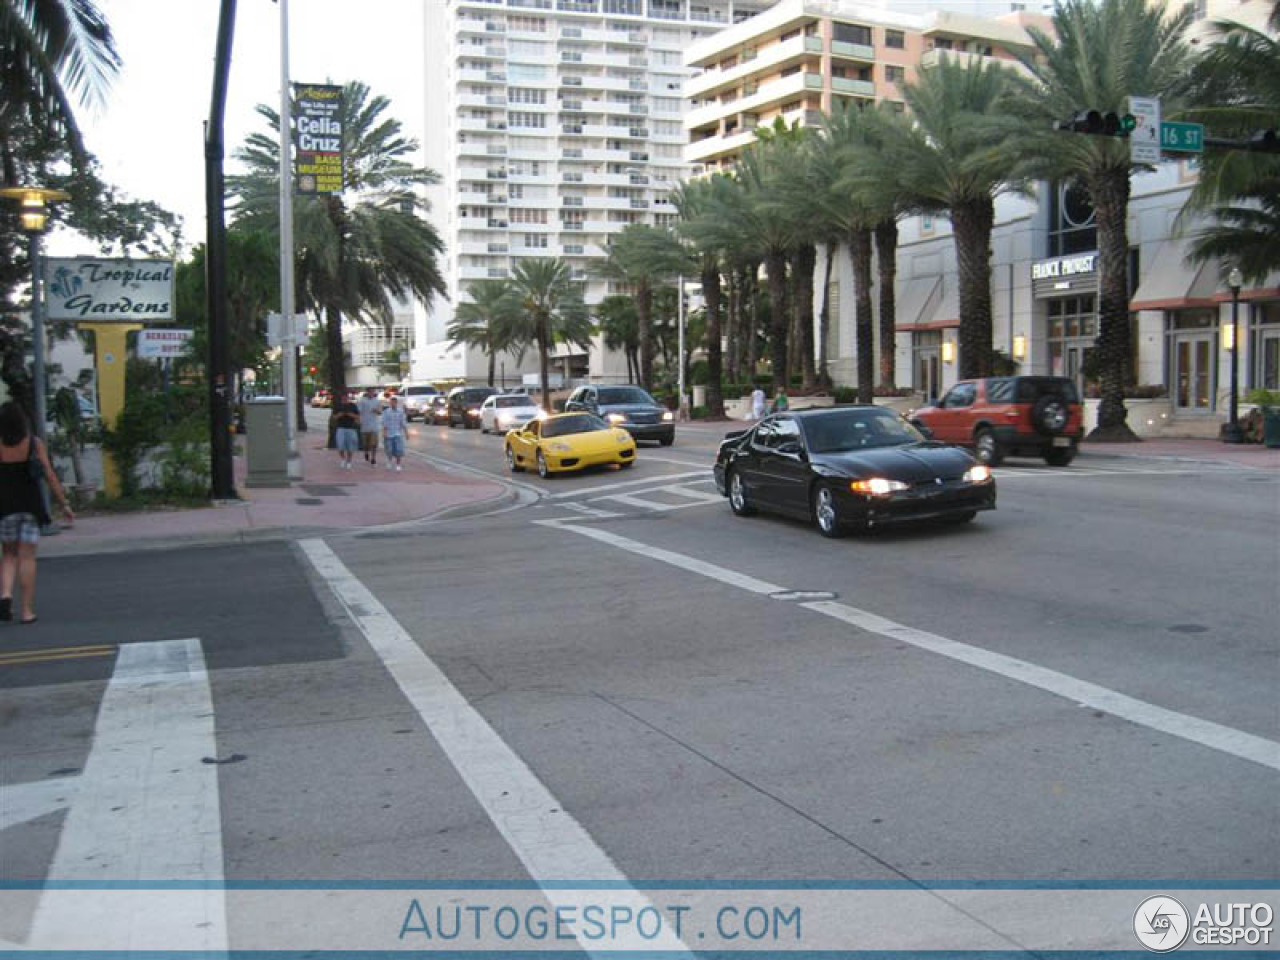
x=520, y=215
x=536, y=240
x=895, y=39
x=895, y=74
x=527, y=24
x=524, y=95
x=1073, y=334
x=943, y=43
x=1266, y=346
x=851, y=33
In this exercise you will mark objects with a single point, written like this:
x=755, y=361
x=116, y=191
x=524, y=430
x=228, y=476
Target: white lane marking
x=651, y=505
x=20, y=802
x=734, y=579
x=590, y=511
x=551, y=844
x=147, y=809
x=600, y=488
x=684, y=463
x=686, y=490
x=1074, y=474
x=1206, y=733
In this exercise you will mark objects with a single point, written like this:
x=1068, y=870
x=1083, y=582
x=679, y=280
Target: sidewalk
x=328, y=499
x=1198, y=449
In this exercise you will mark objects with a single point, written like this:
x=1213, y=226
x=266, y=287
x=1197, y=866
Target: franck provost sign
x=1062, y=276
x=317, y=133
x=96, y=290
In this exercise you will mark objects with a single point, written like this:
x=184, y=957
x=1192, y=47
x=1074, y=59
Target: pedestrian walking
x=24, y=463
x=370, y=407
x=757, y=404
x=393, y=430
x=346, y=421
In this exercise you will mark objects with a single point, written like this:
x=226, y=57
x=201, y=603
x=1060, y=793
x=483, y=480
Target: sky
x=149, y=137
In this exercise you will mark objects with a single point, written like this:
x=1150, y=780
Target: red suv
x=999, y=416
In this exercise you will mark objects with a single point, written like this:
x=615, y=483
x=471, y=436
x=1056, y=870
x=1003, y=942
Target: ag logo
x=1161, y=924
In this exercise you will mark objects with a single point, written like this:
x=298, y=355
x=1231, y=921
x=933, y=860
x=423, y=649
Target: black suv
x=630, y=408
x=464, y=405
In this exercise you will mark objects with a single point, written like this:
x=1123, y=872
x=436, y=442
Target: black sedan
x=846, y=467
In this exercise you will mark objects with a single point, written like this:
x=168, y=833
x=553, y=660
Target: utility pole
x=223, y=481
x=288, y=339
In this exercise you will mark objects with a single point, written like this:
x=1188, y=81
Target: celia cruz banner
x=317, y=138
x=98, y=290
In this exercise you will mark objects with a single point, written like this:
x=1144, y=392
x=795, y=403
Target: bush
x=882, y=390
x=701, y=413
x=845, y=395
x=1263, y=398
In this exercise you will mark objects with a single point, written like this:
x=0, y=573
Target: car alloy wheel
x=825, y=512
x=987, y=448
x=738, y=496
x=512, y=465
x=543, y=470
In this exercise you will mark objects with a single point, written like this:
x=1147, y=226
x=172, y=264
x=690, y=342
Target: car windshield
x=625, y=395
x=513, y=402
x=858, y=430
x=578, y=423
x=475, y=396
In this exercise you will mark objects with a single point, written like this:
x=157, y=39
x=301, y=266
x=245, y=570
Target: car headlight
x=558, y=447
x=473, y=413
x=622, y=437
x=877, y=486
x=617, y=418
x=668, y=417
x=978, y=473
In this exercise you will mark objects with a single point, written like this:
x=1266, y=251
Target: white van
x=415, y=397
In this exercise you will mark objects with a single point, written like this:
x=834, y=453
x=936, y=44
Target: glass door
x=1193, y=371
x=927, y=372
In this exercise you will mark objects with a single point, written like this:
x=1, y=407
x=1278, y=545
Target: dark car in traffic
x=464, y=405
x=850, y=467
x=437, y=411
x=630, y=408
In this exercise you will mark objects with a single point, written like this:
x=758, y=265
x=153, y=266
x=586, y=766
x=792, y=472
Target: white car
x=507, y=411
x=416, y=397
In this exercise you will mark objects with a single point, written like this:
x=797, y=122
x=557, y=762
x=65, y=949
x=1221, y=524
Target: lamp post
x=35, y=218
x=1232, y=433
x=683, y=409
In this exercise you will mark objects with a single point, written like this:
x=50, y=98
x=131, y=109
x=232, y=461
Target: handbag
x=35, y=470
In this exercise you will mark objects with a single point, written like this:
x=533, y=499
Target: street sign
x=161, y=344
x=1182, y=137
x=277, y=331
x=1144, y=139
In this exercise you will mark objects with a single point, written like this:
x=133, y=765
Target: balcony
x=716, y=147
x=853, y=51
x=495, y=224
x=769, y=94
x=860, y=88
x=572, y=201
x=779, y=56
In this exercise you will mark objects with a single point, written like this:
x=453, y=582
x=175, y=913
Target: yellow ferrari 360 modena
x=568, y=441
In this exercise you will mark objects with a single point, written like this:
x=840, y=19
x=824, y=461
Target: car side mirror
x=792, y=448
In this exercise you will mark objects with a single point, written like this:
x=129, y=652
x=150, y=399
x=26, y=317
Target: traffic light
x=1264, y=141
x=312, y=370
x=1100, y=123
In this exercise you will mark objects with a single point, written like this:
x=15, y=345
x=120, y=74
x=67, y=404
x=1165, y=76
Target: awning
x=1170, y=281
x=948, y=312
x=916, y=301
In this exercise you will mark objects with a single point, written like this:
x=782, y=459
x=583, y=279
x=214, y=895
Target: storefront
x=1064, y=291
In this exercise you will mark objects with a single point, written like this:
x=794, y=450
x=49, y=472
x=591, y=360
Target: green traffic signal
x=1128, y=122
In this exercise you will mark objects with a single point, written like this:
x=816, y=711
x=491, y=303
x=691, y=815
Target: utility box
x=267, y=452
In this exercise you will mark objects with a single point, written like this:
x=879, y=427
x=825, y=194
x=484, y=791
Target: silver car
x=416, y=397
x=510, y=411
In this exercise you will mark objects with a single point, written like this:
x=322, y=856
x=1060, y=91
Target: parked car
x=568, y=441
x=503, y=412
x=464, y=405
x=438, y=410
x=1003, y=416
x=861, y=466
x=628, y=407
x=415, y=397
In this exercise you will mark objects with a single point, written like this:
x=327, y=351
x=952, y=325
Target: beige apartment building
x=801, y=58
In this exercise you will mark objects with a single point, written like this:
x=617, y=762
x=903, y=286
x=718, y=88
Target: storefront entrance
x=926, y=351
x=1193, y=371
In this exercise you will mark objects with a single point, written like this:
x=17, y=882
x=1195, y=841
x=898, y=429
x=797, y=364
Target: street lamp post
x=35, y=217
x=1232, y=432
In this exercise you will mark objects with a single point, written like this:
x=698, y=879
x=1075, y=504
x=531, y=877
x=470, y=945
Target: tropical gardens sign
x=97, y=290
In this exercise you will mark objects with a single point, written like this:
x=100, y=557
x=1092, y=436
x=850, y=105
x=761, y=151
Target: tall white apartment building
x=555, y=124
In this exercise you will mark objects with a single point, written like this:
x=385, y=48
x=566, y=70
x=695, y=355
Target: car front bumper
x=561, y=463
x=649, y=431
x=920, y=503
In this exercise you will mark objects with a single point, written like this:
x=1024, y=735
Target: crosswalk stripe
x=599, y=488
x=683, y=490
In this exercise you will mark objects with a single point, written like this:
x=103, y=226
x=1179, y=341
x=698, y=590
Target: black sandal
x=6, y=608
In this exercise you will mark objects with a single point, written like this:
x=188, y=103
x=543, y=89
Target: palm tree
x=51, y=51
x=619, y=323
x=1235, y=90
x=644, y=257
x=357, y=253
x=1097, y=55
x=954, y=158
x=488, y=321
x=552, y=311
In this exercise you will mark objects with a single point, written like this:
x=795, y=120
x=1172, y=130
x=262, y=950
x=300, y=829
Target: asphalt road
x=1079, y=686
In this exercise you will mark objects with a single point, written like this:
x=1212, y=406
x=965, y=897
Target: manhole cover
x=803, y=596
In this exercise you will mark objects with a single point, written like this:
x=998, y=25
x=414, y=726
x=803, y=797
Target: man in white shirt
x=393, y=431
x=370, y=408
x=757, y=404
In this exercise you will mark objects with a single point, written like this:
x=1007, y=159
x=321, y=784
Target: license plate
x=1062, y=441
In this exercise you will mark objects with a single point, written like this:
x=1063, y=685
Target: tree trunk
x=775, y=265
x=732, y=326
x=1110, y=196
x=493, y=364
x=752, y=321
x=715, y=361
x=886, y=235
x=863, y=316
x=824, y=321
x=337, y=369
x=972, y=222
x=806, y=263
x=300, y=409
x=644, y=329
x=544, y=352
